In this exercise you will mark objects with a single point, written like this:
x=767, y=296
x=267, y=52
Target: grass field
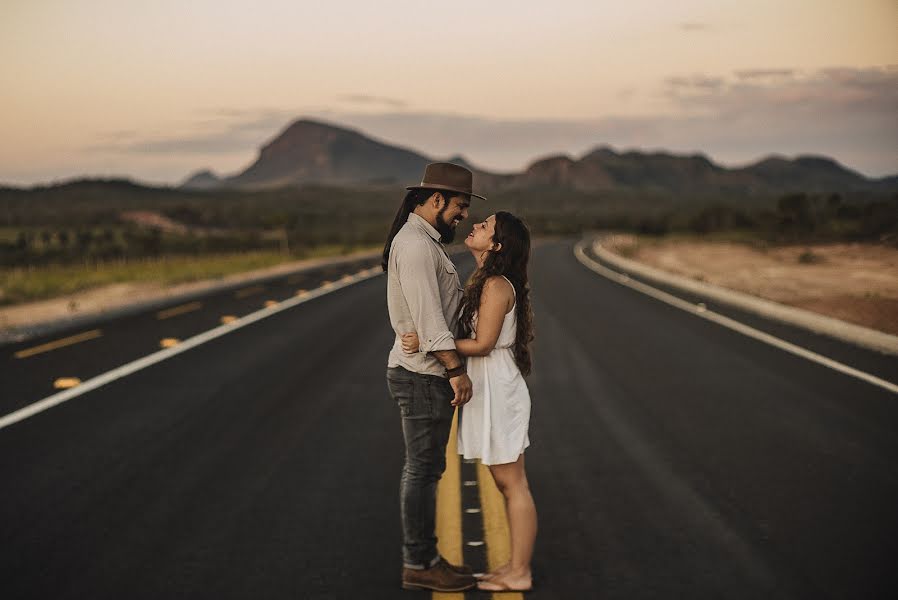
x=18, y=285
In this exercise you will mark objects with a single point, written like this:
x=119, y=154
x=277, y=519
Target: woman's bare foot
x=507, y=581
x=498, y=571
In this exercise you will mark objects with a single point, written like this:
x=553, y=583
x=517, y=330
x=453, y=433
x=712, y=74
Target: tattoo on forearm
x=449, y=358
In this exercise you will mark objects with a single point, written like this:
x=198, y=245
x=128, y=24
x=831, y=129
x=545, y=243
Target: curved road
x=670, y=458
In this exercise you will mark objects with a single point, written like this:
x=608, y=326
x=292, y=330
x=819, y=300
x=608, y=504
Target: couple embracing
x=459, y=347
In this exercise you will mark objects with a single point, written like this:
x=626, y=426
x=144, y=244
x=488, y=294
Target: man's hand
x=410, y=343
x=461, y=385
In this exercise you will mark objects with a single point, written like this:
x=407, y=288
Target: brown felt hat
x=447, y=176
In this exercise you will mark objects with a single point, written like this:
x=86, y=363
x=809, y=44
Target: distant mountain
x=808, y=173
x=660, y=172
x=202, y=180
x=605, y=169
x=315, y=152
x=889, y=182
x=458, y=159
x=657, y=171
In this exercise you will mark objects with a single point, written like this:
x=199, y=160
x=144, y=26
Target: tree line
x=54, y=228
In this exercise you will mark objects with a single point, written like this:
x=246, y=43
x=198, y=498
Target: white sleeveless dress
x=493, y=425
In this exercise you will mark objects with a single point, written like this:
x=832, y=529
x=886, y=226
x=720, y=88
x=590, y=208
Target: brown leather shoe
x=463, y=569
x=439, y=578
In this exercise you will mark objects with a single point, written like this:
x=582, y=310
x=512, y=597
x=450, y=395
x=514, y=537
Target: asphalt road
x=670, y=458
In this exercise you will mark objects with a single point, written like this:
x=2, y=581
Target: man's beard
x=446, y=231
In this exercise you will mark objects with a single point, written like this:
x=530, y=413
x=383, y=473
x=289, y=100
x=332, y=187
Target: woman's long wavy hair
x=511, y=261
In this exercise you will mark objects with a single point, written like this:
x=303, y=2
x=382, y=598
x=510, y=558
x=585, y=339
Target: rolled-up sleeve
x=417, y=270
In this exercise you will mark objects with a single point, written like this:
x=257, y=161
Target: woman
x=495, y=325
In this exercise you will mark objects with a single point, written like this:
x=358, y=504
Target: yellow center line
x=249, y=291
x=495, y=526
x=449, y=541
x=67, y=341
x=178, y=310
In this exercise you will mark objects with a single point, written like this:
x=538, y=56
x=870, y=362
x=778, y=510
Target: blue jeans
x=424, y=405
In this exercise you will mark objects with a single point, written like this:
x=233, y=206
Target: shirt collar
x=422, y=224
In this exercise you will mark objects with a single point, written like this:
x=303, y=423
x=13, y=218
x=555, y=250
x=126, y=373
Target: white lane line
x=701, y=311
x=151, y=359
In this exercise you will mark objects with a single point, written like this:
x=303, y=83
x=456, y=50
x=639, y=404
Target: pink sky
x=156, y=90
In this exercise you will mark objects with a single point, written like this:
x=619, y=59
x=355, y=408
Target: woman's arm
x=496, y=300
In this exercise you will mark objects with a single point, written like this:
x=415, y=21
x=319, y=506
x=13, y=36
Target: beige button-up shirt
x=423, y=293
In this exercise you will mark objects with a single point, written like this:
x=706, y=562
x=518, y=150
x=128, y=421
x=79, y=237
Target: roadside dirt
x=102, y=299
x=854, y=282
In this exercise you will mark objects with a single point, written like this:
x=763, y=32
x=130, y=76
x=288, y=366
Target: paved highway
x=671, y=457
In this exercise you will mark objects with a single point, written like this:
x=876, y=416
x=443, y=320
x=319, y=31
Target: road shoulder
x=838, y=329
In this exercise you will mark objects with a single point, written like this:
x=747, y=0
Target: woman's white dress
x=493, y=424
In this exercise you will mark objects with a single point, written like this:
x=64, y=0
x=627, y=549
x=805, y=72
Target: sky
x=157, y=90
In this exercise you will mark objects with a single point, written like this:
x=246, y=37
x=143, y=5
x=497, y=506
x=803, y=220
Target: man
x=423, y=293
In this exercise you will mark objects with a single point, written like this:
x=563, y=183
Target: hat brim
x=437, y=186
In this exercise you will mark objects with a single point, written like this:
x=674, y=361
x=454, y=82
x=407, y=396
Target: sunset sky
x=156, y=90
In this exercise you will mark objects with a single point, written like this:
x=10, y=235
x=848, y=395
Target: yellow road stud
x=66, y=382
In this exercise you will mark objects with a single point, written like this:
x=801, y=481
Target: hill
x=313, y=152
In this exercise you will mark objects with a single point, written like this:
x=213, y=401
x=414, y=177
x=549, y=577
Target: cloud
x=845, y=113
x=119, y=135
x=228, y=130
x=837, y=92
x=698, y=82
x=372, y=100
x=765, y=73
